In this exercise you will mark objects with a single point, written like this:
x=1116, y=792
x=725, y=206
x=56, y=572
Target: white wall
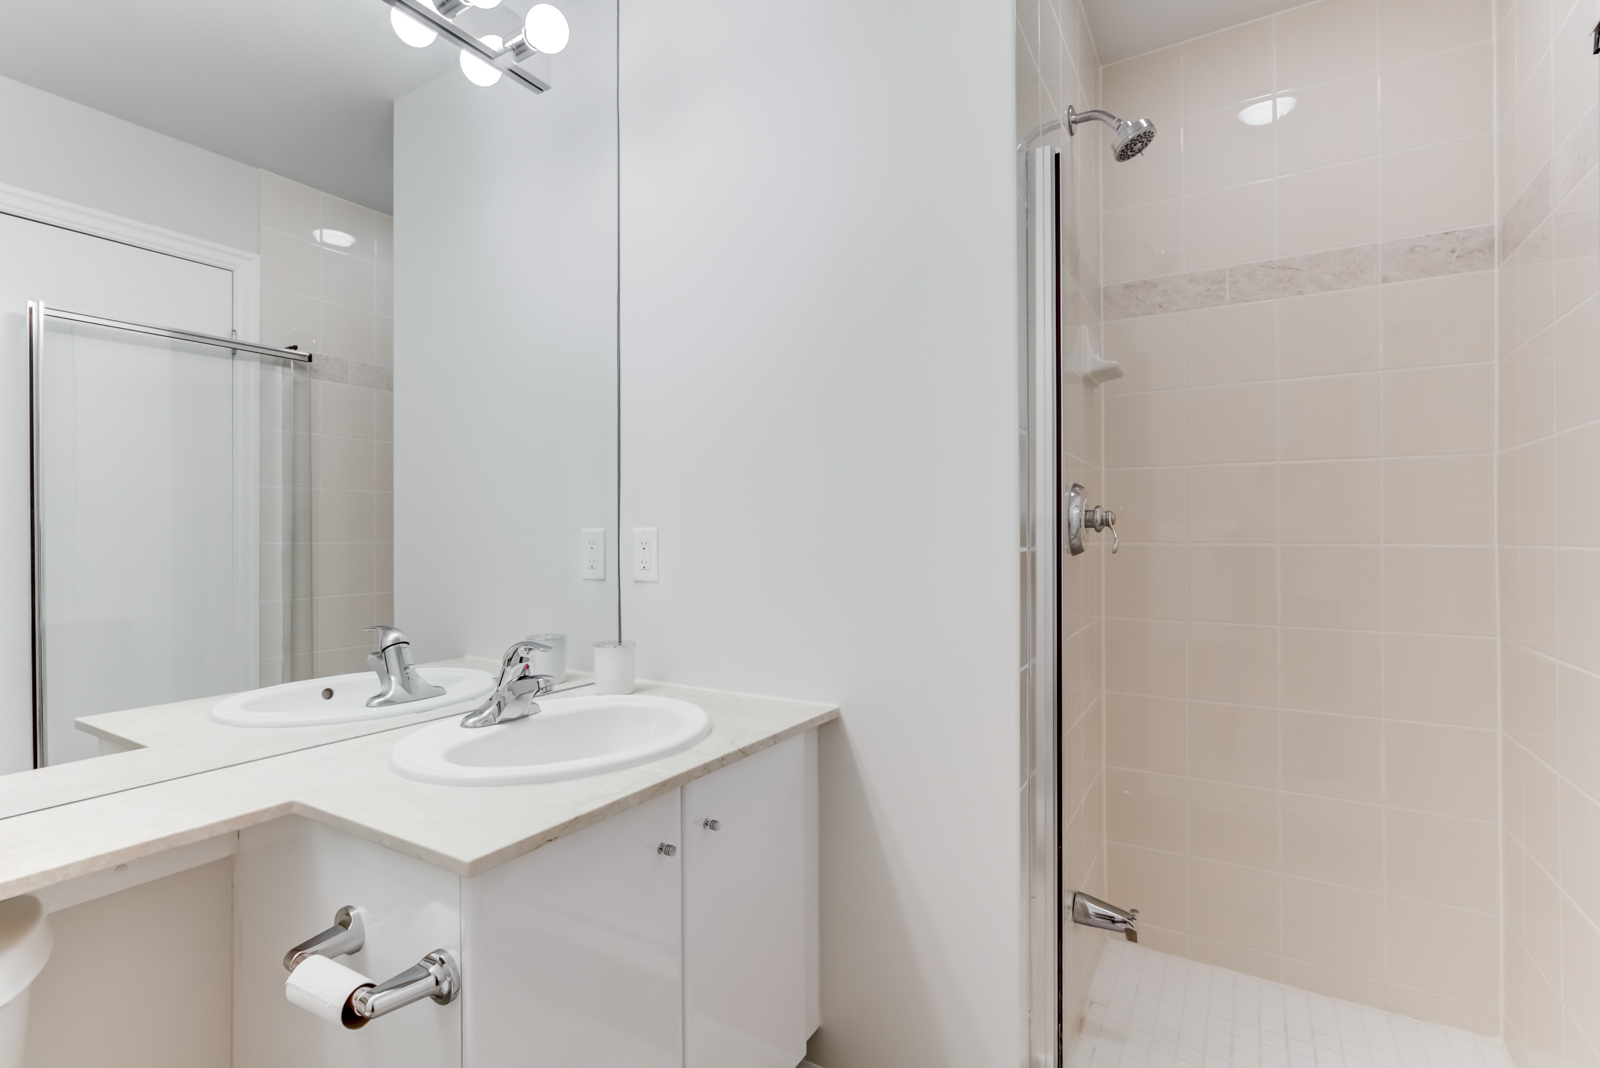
x=819, y=413
x=505, y=353
x=141, y=978
x=67, y=151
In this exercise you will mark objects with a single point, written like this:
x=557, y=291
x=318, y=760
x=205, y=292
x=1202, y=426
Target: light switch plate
x=646, y=557
x=593, y=564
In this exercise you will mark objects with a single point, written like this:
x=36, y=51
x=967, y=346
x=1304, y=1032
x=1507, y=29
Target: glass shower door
x=148, y=593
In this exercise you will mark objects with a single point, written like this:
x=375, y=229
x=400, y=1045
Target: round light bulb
x=477, y=71
x=410, y=30
x=546, y=29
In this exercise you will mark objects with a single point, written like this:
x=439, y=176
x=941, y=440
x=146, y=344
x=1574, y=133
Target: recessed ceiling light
x=336, y=238
x=1261, y=112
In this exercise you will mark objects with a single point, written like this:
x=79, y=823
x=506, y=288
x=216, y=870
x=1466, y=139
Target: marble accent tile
x=1170, y=293
x=1432, y=255
x=1574, y=158
x=1525, y=213
x=329, y=368
x=1294, y=276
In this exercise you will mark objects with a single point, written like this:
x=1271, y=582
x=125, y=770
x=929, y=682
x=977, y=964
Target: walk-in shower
x=1133, y=136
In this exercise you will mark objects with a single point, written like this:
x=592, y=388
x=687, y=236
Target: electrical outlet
x=594, y=553
x=646, y=558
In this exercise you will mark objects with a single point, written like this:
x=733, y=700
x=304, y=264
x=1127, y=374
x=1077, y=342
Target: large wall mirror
x=414, y=251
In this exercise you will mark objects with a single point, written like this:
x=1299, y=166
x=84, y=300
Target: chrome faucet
x=518, y=686
x=398, y=681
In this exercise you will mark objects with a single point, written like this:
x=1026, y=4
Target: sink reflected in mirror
x=570, y=738
x=343, y=699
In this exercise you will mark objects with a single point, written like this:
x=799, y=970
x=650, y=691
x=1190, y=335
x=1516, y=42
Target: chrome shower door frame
x=1040, y=556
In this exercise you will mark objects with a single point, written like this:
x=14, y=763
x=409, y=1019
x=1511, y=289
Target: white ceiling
x=304, y=88
x=1125, y=28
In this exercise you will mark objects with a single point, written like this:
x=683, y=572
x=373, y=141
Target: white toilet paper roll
x=322, y=987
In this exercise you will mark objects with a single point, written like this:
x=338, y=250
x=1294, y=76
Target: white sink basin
x=343, y=699
x=570, y=738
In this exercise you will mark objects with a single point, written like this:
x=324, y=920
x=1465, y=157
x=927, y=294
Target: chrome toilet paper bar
x=347, y=935
x=435, y=976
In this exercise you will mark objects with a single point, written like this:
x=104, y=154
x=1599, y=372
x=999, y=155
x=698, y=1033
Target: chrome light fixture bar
x=506, y=58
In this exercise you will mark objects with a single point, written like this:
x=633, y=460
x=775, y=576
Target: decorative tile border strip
x=1431, y=255
x=1427, y=256
x=1573, y=158
x=352, y=372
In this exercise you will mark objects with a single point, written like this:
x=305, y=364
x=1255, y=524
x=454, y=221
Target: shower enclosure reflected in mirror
x=180, y=521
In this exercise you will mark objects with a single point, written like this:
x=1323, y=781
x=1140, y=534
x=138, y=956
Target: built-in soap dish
x=1091, y=366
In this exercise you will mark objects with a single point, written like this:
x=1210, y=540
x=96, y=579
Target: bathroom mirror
x=420, y=250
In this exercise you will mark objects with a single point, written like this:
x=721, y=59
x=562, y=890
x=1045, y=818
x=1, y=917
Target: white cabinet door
x=573, y=954
x=746, y=911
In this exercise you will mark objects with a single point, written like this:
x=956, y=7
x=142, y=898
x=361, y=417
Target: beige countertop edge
x=187, y=833
x=60, y=873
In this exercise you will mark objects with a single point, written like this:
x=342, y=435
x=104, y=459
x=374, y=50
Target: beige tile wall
x=1549, y=382
x=1301, y=706
x=1057, y=66
x=337, y=302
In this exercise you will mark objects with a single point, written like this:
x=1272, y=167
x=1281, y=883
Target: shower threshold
x=1151, y=1010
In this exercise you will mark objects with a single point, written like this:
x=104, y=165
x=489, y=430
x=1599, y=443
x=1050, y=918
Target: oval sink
x=343, y=699
x=569, y=738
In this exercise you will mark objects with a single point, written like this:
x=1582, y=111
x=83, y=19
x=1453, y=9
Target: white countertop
x=348, y=785
x=179, y=739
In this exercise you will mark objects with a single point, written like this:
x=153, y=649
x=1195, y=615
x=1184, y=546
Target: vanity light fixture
x=414, y=33
x=477, y=71
x=484, y=60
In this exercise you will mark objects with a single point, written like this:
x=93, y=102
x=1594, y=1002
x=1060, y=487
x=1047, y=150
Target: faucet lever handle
x=386, y=635
x=520, y=653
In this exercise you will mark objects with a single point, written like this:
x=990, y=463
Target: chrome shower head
x=1133, y=136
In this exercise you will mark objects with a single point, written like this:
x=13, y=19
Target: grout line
x=1497, y=507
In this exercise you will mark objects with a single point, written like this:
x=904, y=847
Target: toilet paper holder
x=347, y=935
x=435, y=976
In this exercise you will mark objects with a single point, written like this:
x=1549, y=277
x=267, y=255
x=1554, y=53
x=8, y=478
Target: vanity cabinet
x=749, y=911
x=599, y=948
x=602, y=949
x=574, y=952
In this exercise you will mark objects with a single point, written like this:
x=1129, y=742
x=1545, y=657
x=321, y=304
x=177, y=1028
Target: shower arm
x=1075, y=117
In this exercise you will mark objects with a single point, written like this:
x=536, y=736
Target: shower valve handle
x=1101, y=518
x=1080, y=517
